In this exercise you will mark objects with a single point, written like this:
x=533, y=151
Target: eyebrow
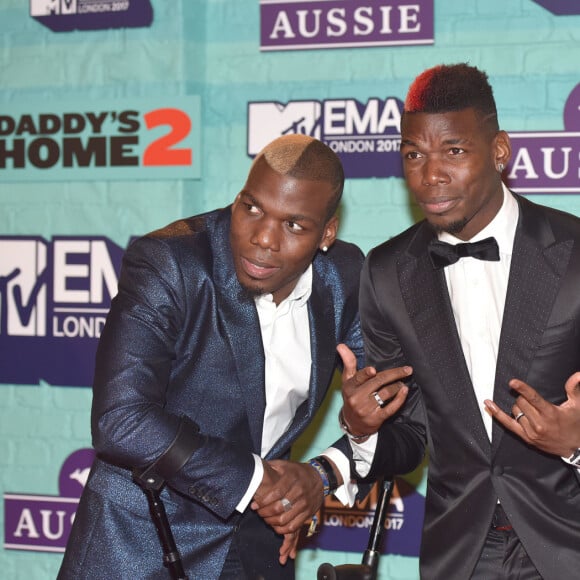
x=454, y=141
x=249, y=197
x=300, y=218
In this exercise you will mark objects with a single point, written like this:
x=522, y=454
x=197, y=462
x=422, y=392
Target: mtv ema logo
x=347, y=529
x=42, y=523
x=548, y=161
x=65, y=15
x=54, y=298
x=366, y=136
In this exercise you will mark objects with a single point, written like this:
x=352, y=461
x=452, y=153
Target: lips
x=438, y=206
x=257, y=269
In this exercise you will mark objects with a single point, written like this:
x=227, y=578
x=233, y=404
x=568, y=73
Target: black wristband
x=186, y=441
x=332, y=482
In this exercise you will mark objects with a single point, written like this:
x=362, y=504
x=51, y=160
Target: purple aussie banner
x=365, y=135
x=548, y=161
x=319, y=24
x=347, y=529
x=54, y=299
x=67, y=15
x=42, y=523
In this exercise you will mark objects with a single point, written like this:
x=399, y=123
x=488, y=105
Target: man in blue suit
x=218, y=350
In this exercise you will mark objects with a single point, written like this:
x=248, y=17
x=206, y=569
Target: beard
x=452, y=228
x=252, y=292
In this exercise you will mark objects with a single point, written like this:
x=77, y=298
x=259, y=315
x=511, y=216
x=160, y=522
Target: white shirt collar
x=502, y=227
x=300, y=294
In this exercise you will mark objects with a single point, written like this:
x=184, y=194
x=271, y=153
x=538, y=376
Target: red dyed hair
x=419, y=90
x=446, y=88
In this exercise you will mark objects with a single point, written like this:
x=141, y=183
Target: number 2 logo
x=163, y=151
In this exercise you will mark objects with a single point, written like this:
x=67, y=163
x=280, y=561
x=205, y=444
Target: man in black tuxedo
x=472, y=323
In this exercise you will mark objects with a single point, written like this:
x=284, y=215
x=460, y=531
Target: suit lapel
x=428, y=305
x=323, y=354
x=240, y=321
x=538, y=264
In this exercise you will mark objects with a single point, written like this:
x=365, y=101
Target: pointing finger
x=528, y=396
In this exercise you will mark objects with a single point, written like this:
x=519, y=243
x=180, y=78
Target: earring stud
x=500, y=167
x=325, y=249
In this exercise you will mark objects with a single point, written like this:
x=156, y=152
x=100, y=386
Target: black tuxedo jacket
x=182, y=337
x=407, y=319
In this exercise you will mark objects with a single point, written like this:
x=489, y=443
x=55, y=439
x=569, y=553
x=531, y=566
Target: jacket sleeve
x=401, y=442
x=131, y=426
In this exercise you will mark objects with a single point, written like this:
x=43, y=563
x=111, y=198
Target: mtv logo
x=269, y=120
x=48, y=7
x=23, y=298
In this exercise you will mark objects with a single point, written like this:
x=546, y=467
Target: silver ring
x=519, y=416
x=378, y=399
x=286, y=504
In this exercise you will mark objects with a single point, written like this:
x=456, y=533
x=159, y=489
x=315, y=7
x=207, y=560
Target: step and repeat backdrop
x=117, y=117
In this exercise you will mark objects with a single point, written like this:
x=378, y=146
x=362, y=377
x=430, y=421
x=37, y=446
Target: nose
x=266, y=236
x=434, y=173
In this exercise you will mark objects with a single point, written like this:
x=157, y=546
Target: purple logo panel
x=43, y=523
x=548, y=162
x=545, y=163
x=560, y=7
x=294, y=25
x=66, y=15
x=39, y=523
x=366, y=136
x=54, y=299
x=347, y=529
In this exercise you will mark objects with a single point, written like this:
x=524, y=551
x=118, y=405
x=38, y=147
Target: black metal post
x=367, y=570
x=151, y=486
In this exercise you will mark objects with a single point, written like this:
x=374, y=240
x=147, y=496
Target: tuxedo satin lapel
x=538, y=263
x=426, y=297
x=242, y=326
x=323, y=352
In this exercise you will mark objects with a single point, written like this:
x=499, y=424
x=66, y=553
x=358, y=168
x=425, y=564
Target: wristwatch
x=574, y=459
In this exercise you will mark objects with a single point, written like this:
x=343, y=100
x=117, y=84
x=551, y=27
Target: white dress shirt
x=285, y=331
x=477, y=289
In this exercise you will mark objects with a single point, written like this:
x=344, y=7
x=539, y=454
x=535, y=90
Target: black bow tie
x=443, y=254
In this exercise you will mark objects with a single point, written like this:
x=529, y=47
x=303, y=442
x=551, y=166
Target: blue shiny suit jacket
x=539, y=343
x=183, y=337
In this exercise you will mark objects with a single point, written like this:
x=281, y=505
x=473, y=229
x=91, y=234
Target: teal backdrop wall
x=211, y=48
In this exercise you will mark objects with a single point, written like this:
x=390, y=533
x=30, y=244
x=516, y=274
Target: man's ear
x=330, y=233
x=503, y=149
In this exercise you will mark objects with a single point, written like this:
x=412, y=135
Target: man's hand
x=551, y=428
x=289, y=495
x=363, y=391
x=289, y=547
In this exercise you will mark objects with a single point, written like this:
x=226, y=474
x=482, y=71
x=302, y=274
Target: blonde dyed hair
x=303, y=157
